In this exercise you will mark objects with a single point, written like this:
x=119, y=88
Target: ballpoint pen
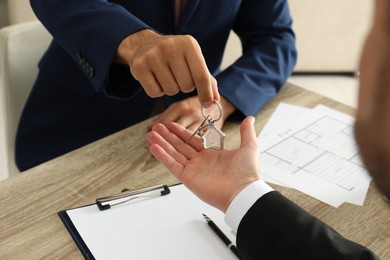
x=222, y=236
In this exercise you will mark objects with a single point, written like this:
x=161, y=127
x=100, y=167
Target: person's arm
x=90, y=30
x=269, y=55
x=276, y=228
x=270, y=226
x=265, y=221
x=102, y=33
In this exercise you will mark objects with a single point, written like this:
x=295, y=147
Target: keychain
x=212, y=136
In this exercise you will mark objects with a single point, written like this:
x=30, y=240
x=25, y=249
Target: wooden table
x=31, y=229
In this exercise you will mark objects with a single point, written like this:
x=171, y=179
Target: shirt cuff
x=244, y=201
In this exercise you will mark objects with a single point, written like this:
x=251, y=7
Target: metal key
x=212, y=136
x=199, y=129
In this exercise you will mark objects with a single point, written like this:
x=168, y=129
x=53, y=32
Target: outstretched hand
x=214, y=176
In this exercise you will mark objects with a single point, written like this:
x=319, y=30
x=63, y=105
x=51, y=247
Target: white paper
x=282, y=115
x=164, y=227
x=317, y=155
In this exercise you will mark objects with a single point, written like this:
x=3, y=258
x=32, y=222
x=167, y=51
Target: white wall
x=329, y=34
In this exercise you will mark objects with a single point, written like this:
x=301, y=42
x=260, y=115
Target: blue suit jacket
x=81, y=96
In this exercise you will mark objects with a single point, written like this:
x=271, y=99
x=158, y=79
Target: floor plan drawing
x=317, y=152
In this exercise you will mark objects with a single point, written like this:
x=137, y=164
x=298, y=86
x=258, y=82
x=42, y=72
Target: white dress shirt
x=243, y=202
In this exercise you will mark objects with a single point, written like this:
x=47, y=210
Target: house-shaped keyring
x=213, y=138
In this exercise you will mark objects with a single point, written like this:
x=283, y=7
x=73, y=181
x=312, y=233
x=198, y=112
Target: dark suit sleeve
x=269, y=55
x=89, y=31
x=276, y=228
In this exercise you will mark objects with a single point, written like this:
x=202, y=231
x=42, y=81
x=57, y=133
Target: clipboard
x=158, y=222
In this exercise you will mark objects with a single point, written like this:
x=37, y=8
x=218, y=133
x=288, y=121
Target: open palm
x=214, y=176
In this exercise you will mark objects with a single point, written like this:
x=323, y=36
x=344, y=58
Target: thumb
x=248, y=133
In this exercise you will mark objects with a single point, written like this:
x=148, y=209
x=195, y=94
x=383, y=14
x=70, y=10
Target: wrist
x=129, y=46
x=230, y=198
x=243, y=201
x=238, y=190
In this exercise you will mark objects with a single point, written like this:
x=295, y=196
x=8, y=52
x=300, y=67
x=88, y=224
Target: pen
x=222, y=236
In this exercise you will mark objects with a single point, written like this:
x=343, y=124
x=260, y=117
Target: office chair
x=21, y=47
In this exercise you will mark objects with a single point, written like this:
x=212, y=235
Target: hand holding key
x=212, y=136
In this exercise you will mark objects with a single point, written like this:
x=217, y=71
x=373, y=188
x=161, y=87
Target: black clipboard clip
x=125, y=196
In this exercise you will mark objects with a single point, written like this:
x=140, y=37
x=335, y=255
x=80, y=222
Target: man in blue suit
x=112, y=64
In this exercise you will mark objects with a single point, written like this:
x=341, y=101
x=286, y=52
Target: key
x=199, y=130
x=212, y=136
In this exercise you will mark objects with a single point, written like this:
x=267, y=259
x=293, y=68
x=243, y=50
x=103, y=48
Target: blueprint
x=316, y=153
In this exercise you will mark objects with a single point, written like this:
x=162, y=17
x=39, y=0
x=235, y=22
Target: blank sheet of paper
x=164, y=227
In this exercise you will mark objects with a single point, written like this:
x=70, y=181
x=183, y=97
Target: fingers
x=169, y=115
x=187, y=121
x=154, y=137
x=155, y=77
x=149, y=83
x=166, y=79
x=176, y=144
x=185, y=112
x=204, y=81
x=168, y=161
x=185, y=134
x=248, y=133
x=169, y=64
x=182, y=74
x=174, y=113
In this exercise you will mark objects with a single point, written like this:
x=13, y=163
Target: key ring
x=220, y=112
x=212, y=137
